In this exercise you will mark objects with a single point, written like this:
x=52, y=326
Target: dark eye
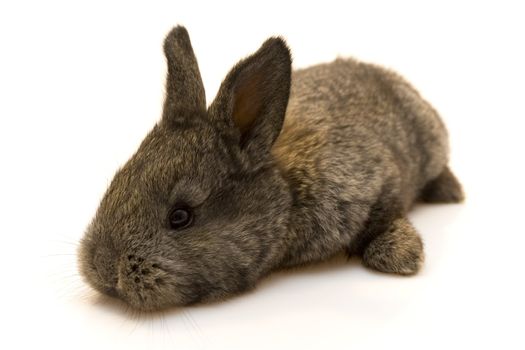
x=180, y=217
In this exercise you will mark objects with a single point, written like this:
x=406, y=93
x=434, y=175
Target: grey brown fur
x=357, y=148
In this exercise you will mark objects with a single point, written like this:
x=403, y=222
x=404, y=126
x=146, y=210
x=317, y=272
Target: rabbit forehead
x=169, y=155
x=169, y=164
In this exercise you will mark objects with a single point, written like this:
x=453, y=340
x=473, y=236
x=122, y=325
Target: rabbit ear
x=253, y=98
x=184, y=88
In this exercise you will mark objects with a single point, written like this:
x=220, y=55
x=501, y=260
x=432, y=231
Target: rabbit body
x=356, y=137
x=281, y=169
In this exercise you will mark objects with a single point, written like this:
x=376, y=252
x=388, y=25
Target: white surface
x=81, y=84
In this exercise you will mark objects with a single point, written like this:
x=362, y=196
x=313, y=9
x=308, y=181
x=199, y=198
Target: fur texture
x=357, y=147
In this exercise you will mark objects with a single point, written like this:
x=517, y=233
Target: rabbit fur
x=282, y=169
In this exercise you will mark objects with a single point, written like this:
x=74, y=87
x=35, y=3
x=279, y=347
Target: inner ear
x=248, y=102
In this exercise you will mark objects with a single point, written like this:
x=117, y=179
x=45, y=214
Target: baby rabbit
x=282, y=169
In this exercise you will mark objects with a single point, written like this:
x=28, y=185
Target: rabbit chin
x=150, y=300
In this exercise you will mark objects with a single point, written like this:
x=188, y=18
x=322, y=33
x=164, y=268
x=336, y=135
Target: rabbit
x=282, y=169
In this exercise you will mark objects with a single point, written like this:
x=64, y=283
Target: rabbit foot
x=443, y=189
x=397, y=250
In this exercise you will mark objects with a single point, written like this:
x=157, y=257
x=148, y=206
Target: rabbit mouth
x=111, y=292
x=144, y=284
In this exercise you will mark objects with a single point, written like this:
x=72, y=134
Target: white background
x=82, y=83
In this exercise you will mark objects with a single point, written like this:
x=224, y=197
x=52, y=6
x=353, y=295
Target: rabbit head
x=198, y=212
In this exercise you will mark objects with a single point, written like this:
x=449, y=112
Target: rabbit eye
x=180, y=217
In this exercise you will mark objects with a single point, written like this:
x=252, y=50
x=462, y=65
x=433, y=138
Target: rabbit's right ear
x=184, y=88
x=252, y=100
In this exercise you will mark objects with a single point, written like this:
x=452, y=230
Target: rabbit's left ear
x=252, y=99
x=184, y=88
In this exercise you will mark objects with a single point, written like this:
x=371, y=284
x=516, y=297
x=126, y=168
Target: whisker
x=168, y=330
x=195, y=324
x=135, y=317
x=191, y=330
x=67, y=276
x=125, y=319
x=59, y=254
x=76, y=244
x=76, y=292
x=64, y=239
x=185, y=322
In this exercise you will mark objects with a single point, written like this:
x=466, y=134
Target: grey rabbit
x=282, y=169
